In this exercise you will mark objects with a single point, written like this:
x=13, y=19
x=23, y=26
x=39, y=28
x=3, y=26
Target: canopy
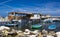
x=58, y=34
x=4, y=27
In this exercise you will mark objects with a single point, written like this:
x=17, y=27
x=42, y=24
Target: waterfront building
x=4, y=19
x=35, y=16
x=25, y=17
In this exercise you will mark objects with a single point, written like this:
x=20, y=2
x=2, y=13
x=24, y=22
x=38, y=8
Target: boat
x=48, y=20
x=52, y=27
x=56, y=20
x=36, y=26
x=12, y=23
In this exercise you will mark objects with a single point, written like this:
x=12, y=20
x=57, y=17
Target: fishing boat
x=56, y=20
x=52, y=27
x=48, y=21
x=12, y=23
x=36, y=26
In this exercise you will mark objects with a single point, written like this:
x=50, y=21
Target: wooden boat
x=52, y=27
x=36, y=26
x=12, y=23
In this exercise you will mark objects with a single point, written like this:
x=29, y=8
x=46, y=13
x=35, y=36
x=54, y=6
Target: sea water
x=25, y=26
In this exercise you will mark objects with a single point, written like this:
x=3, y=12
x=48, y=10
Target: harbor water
x=55, y=23
x=45, y=26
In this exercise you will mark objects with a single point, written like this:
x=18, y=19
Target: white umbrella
x=27, y=31
x=4, y=27
x=50, y=36
x=58, y=34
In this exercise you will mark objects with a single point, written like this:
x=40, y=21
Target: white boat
x=48, y=20
x=12, y=23
x=52, y=20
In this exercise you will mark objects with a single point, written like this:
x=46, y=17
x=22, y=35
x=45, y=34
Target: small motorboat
x=52, y=27
x=10, y=25
x=36, y=26
x=48, y=20
x=56, y=20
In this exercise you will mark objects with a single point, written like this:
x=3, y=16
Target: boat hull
x=11, y=25
x=36, y=26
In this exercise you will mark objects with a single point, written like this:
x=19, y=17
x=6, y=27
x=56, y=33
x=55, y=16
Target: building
x=25, y=17
x=22, y=15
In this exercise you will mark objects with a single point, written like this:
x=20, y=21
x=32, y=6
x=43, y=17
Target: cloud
x=58, y=10
x=52, y=8
x=5, y=2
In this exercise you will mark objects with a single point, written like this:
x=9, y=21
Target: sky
x=51, y=7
